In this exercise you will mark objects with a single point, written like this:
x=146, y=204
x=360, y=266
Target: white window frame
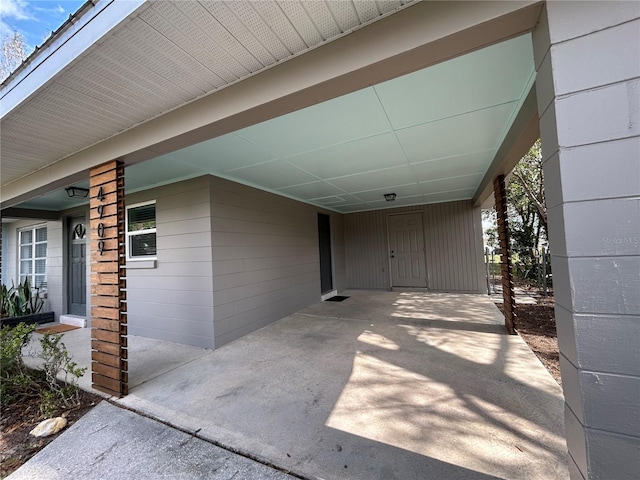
x=129, y=234
x=32, y=276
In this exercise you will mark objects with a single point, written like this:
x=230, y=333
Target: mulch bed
x=536, y=324
x=18, y=419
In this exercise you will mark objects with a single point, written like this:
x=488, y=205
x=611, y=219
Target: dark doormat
x=337, y=298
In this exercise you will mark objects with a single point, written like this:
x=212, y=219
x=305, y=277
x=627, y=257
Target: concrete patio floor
x=383, y=385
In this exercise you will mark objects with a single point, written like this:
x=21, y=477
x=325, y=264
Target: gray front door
x=406, y=250
x=77, y=272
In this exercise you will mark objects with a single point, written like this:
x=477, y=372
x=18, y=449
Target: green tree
x=12, y=53
x=526, y=211
x=526, y=204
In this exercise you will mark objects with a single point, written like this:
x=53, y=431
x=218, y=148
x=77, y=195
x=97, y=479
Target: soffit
x=165, y=55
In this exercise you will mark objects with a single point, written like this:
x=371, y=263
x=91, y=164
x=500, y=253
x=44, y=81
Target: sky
x=35, y=19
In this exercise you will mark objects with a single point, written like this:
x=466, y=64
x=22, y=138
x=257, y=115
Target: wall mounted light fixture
x=389, y=197
x=77, y=192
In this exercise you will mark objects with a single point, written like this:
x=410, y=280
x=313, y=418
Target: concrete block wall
x=588, y=88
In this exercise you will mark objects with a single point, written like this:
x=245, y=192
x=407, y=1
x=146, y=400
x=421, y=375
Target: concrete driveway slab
x=383, y=385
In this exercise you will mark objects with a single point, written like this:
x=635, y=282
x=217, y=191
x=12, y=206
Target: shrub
x=15, y=379
x=18, y=382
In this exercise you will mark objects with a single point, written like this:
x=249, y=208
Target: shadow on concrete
x=392, y=385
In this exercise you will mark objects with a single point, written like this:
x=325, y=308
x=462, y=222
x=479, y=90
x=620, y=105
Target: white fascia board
x=68, y=46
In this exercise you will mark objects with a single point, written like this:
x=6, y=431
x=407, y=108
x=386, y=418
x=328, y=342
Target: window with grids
x=33, y=256
x=141, y=231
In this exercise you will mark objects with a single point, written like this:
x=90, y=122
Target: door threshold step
x=75, y=320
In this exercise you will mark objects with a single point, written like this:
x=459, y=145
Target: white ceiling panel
x=328, y=201
x=450, y=196
x=371, y=153
x=378, y=179
x=454, y=183
x=311, y=191
x=223, y=154
x=336, y=121
x=356, y=207
x=492, y=76
x=458, y=135
x=469, y=164
x=275, y=174
x=164, y=169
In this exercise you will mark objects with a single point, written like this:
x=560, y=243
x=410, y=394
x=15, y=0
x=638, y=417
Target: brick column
x=108, y=282
x=508, y=295
x=587, y=56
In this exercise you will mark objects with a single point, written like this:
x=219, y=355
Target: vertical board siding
x=366, y=248
x=453, y=247
x=266, y=257
x=174, y=300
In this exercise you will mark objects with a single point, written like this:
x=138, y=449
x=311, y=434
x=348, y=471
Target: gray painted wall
x=453, y=244
x=252, y=253
x=588, y=61
x=173, y=300
x=265, y=257
x=55, y=263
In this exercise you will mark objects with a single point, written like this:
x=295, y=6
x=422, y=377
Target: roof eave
x=93, y=21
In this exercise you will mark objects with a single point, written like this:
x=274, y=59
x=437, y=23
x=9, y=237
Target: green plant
x=18, y=382
x=57, y=362
x=21, y=300
x=15, y=379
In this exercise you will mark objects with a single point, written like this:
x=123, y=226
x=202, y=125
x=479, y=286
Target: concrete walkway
x=383, y=385
x=110, y=442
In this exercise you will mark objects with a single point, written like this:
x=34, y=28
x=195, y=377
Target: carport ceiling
x=429, y=136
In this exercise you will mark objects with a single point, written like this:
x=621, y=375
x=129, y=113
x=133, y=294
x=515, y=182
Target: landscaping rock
x=48, y=427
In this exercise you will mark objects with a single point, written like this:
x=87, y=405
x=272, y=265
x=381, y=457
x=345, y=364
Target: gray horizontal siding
x=453, y=244
x=174, y=301
x=265, y=258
